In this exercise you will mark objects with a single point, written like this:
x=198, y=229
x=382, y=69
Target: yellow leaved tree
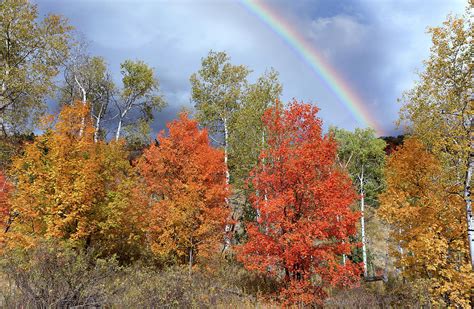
x=71, y=188
x=427, y=226
x=439, y=110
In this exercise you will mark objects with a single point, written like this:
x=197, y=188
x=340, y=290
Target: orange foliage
x=70, y=188
x=303, y=207
x=186, y=188
x=5, y=215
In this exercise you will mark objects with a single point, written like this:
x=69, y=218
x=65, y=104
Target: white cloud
x=340, y=31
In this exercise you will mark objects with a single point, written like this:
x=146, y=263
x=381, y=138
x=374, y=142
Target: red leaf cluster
x=303, y=206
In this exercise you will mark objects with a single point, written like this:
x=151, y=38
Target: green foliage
x=231, y=109
x=363, y=155
x=247, y=130
x=92, y=74
x=140, y=88
x=217, y=90
x=31, y=53
x=138, y=79
x=137, y=135
x=139, y=96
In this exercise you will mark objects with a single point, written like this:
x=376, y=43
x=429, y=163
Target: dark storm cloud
x=375, y=45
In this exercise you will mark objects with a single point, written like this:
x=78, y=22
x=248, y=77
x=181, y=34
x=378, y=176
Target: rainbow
x=316, y=61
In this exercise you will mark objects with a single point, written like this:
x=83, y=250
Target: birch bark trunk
x=226, y=142
x=119, y=128
x=97, y=128
x=84, y=100
x=229, y=226
x=362, y=221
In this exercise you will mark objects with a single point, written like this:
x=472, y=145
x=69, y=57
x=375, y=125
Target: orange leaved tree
x=302, y=201
x=185, y=185
x=68, y=187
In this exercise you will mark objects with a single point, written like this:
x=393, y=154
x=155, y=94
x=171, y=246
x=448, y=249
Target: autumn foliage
x=251, y=205
x=303, y=204
x=185, y=186
x=70, y=188
x=428, y=236
x=5, y=207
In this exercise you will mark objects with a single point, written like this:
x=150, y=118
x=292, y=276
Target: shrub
x=52, y=275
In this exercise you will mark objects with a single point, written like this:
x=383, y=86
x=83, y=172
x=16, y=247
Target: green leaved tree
x=31, y=54
x=217, y=91
x=362, y=154
x=139, y=95
x=248, y=131
x=232, y=108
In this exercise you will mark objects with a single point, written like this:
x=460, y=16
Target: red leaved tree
x=302, y=201
x=186, y=187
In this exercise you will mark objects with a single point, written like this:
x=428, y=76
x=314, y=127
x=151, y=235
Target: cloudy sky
x=375, y=45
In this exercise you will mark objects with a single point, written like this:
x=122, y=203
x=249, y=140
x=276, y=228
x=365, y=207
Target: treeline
x=243, y=202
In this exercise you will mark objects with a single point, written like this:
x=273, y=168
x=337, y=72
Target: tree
x=140, y=93
x=232, y=108
x=362, y=154
x=426, y=225
x=70, y=188
x=88, y=79
x=217, y=91
x=247, y=139
x=439, y=109
x=304, y=220
x=184, y=183
x=248, y=135
x=31, y=53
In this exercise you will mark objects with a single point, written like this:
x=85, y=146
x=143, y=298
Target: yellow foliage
x=427, y=224
x=70, y=188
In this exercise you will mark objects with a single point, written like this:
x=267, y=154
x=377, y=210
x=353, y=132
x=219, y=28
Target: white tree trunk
x=84, y=100
x=229, y=227
x=190, y=259
x=97, y=128
x=362, y=221
x=467, y=193
x=98, y=122
x=119, y=128
x=226, y=150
